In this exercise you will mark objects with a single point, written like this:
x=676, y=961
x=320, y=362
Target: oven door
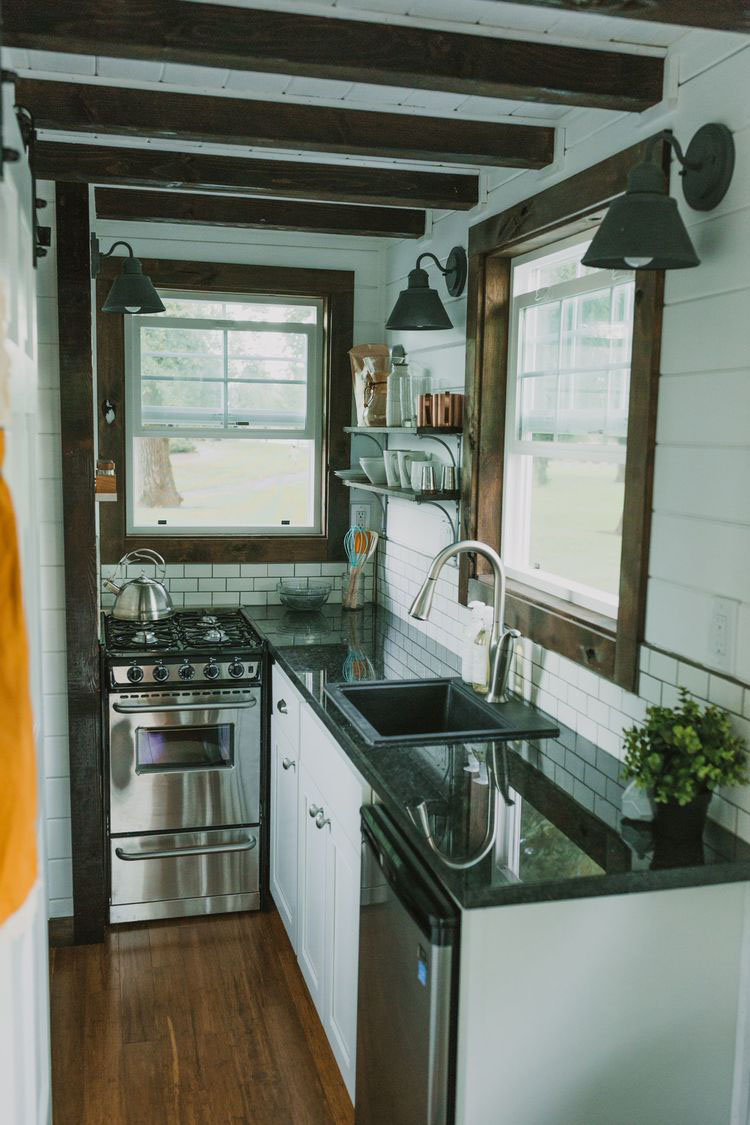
x=184, y=761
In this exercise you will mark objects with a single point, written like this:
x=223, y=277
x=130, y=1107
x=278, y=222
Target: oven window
x=184, y=748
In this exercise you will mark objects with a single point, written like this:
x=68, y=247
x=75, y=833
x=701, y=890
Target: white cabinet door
x=311, y=928
x=284, y=818
x=342, y=948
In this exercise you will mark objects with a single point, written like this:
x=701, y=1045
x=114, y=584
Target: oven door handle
x=227, y=703
x=198, y=849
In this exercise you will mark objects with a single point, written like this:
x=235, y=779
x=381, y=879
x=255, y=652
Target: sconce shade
x=132, y=291
x=642, y=229
x=418, y=308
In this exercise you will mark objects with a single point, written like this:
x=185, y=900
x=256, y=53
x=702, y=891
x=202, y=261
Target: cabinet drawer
x=285, y=703
x=342, y=786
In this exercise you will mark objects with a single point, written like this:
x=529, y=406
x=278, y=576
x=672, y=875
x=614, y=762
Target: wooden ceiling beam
x=317, y=46
x=722, y=15
x=129, y=205
x=82, y=107
x=342, y=183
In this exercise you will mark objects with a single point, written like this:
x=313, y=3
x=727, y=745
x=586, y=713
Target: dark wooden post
x=79, y=524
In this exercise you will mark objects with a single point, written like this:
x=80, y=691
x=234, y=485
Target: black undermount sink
x=423, y=711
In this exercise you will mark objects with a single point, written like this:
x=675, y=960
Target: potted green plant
x=681, y=754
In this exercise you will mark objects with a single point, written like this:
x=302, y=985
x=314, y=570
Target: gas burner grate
x=216, y=627
x=131, y=636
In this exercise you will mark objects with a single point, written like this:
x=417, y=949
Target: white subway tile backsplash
x=183, y=585
x=56, y=760
x=694, y=679
x=212, y=585
x=226, y=570
x=59, y=879
x=253, y=597
x=57, y=795
x=650, y=688
x=226, y=598
x=196, y=599
x=198, y=570
x=663, y=667
x=58, y=838
x=725, y=693
x=308, y=569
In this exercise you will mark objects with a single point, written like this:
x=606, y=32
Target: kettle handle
x=145, y=554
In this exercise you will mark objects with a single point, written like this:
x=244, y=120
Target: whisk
x=359, y=544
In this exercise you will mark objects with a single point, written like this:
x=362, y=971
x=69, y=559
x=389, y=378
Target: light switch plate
x=723, y=634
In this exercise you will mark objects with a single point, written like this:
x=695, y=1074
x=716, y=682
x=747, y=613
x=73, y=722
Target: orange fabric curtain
x=18, y=784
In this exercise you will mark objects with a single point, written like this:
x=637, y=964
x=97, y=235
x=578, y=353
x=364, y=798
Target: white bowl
x=348, y=474
x=374, y=469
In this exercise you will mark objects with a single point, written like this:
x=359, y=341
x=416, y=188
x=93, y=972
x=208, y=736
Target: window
x=562, y=384
x=225, y=415
x=571, y=332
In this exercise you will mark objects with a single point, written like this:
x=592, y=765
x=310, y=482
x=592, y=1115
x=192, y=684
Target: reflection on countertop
x=497, y=822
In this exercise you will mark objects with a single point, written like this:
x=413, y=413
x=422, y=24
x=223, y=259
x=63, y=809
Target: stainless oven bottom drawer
x=175, y=875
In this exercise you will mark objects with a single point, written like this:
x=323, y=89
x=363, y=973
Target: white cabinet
x=311, y=947
x=342, y=949
x=315, y=862
x=284, y=770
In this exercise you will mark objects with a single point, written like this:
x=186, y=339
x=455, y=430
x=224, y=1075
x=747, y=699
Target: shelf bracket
x=453, y=523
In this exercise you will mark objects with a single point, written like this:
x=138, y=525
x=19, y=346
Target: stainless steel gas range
x=185, y=725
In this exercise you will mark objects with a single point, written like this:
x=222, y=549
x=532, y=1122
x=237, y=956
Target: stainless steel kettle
x=142, y=598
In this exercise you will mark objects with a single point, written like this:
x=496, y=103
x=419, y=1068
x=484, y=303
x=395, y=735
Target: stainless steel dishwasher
x=408, y=975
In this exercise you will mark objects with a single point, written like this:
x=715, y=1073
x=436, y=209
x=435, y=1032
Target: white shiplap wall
x=701, y=531
x=193, y=583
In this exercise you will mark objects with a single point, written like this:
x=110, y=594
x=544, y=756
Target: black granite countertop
x=531, y=821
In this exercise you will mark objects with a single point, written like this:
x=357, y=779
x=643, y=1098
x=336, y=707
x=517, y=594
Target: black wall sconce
x=419, y=308
x=132, y=291
x=643, y=228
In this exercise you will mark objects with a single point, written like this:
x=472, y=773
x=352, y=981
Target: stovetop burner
x=125, y=636
x=186, y=631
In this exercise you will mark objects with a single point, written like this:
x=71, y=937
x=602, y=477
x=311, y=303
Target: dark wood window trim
x=336, y=289
x=567, y=208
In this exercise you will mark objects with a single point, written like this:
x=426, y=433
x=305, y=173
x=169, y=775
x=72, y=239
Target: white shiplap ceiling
x=485, y=17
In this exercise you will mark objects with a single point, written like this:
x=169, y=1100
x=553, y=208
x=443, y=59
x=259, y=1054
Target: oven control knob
x=161, y=673
x=186, y=671
x=236, y=669
x=211, y=670
x=135, y=674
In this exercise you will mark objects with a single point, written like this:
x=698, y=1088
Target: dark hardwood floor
x=191, y=1022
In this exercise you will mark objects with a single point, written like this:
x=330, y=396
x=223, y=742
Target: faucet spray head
x=422, y=604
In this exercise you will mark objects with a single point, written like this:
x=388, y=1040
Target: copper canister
x=424, y=410
x=457, y=411
x=441, y=406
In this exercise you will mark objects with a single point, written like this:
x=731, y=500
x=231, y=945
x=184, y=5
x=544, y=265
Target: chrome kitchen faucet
x=502, y=640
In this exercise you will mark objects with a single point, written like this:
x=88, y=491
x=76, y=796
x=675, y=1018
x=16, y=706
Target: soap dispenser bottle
x=470, y=633
x=481, y=653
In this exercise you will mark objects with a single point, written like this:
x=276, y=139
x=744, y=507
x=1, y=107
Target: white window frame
x=312, y=430
x=519, y=453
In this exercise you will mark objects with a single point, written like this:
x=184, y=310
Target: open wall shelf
x=407, y=431
x=400, y=493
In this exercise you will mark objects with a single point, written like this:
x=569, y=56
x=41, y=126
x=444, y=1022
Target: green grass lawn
x=575, y=527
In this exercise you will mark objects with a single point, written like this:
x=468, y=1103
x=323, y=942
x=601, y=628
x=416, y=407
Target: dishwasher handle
x=422, y=898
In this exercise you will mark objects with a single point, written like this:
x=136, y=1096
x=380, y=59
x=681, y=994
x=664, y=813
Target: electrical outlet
x=723, y=630
x=361, y=515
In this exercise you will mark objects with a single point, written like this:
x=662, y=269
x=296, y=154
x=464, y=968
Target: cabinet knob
x=282, y=707
x=287, y=764
x=321, y=819
x=314, y=810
